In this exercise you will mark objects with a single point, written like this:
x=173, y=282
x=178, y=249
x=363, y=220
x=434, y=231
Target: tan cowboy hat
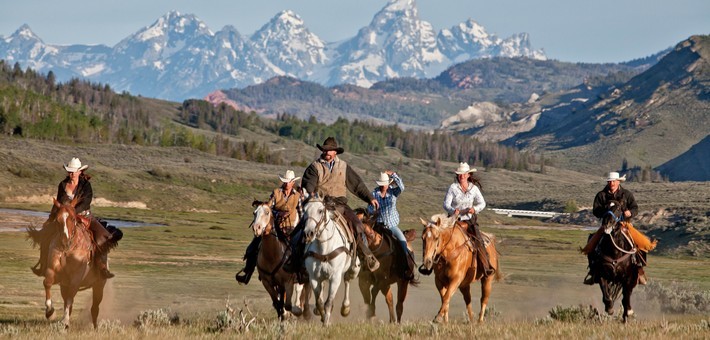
x=614, y=176
x=74, y=165
x=330, y=144
x=288, y=177
x=384, y=179
x=464, y=168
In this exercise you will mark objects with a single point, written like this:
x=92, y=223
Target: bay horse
x=273, y=253
x=329, y=256
x=615, y=261
x=450, y=253
x=381, y=280
x=69, y=263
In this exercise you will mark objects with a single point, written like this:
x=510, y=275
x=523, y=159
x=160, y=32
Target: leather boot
x=101, y=262
x=41, y=265
x=251, y=255
x=642, y=277
x=589, y=279
x=368, y=256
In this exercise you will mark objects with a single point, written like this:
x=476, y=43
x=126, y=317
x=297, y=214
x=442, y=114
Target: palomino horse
x=69, y=260
x=448, y=250
x=615, y=255
x=273, y=253
x=381, y=280
x=329, y=255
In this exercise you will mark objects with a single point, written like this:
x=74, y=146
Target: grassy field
x=186, y=267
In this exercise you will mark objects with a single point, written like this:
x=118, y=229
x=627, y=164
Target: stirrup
x=372, y=263
x=589, y=280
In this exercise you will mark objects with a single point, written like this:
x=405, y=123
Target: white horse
x=329, y=256
x=272, y=255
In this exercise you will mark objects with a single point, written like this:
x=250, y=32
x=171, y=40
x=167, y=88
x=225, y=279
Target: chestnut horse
x=615, y=261
x=273, y=253
x=449, y=251
x=69, y=261
x=381, y=280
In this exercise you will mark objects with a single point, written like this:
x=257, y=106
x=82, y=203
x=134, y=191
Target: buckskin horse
x=615, y=261
x=371, y=283
x=273, y=253
x=69, y=261
x=329, y=255
x=449, y=252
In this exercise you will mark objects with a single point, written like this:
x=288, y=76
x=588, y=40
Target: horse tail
x=498, y=273
x=34, y=235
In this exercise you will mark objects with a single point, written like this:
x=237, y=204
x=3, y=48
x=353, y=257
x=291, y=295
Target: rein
x=321, y=226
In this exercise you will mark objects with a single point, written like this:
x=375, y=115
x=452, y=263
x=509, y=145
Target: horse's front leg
x=317, y=288
x=48, y=282
x=446, y=292
x=606, y=296
x=68, y=294
x=626, y=301
x=333, y=286
x=364, y=284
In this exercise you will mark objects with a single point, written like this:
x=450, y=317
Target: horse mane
x=446, y=220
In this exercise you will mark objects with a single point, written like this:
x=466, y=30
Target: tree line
x=33, y=105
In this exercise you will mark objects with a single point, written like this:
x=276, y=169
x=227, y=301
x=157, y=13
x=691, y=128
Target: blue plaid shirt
x=388, y=204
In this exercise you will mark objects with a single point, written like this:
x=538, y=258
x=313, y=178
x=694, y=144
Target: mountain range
x=179, y=57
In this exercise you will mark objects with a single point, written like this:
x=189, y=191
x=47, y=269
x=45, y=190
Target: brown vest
x=331, y=182
x=285, y=204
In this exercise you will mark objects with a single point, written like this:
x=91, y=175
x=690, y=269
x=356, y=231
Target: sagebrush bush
x=677, y=297
x=155, y=318
x=575, y=314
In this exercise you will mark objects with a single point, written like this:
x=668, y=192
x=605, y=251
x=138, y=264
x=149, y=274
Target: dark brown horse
x=381, y=280
x=273, y=253
x=69, y=261
x=615, y=261
x=449, y=252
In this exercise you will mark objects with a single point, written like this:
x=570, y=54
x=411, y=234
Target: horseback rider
x=465, y=200
x=389, y=187
x=614, y=192
x=331, y=176
x=77, y=186
x=286, y=203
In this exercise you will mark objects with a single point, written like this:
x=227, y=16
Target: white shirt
x=456, y=198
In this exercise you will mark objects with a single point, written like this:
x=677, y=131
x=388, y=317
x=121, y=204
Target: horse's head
x=263, y=218
x=63, y=217
x=431, y=238
x=317, y=213
x=613, y=217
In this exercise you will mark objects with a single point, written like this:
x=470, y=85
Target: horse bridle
x=608, y=231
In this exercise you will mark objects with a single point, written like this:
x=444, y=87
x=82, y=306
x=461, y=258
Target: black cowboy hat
x=330, y=144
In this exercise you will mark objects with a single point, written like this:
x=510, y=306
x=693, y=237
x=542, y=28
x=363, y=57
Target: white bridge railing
x=528, y=213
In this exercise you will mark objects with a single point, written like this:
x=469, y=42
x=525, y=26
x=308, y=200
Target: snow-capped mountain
x=178, y=56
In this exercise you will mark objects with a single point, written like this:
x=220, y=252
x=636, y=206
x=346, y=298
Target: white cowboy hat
x=288, y=177
x=74, y=165
x=464, y=168
x=384, y=179
x=614, y=176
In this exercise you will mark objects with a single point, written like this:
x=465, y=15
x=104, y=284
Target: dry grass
x=187, y=267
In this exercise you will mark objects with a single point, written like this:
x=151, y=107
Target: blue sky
x=568, y=30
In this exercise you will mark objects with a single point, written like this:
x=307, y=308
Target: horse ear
x=425, y=223
x=438, y=222
x=255, y=203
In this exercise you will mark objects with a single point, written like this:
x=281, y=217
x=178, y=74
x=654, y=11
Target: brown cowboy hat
x=330, y=144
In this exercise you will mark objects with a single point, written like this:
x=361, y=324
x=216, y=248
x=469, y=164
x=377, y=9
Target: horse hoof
x=610, y=311
x=438, y=319
x=345, y=311
x=49, y=313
